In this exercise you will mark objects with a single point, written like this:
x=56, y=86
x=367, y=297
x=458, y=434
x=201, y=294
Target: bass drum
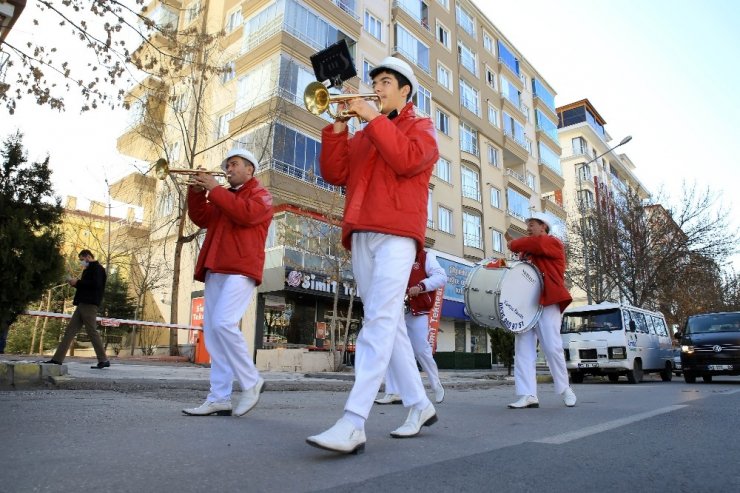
x=505, y=297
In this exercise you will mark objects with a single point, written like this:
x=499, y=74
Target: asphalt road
x=656, y=436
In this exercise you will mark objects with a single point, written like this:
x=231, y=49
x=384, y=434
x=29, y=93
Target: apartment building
x=593, y=168
x=497, y=132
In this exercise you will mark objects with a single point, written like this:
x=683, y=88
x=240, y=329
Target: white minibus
x=614, y=339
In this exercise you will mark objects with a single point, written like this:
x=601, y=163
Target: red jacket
x=237, y=224
x=386, y=169
x=548, y=255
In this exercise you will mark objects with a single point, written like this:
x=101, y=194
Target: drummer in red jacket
x=547, y=253
x=230, y=263
x=385, y=168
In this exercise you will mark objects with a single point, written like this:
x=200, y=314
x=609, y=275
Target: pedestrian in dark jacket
x=90, y=288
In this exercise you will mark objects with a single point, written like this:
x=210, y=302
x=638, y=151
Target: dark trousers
x=84, y=315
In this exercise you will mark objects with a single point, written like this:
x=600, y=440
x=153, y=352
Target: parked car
x=710, y=345
x=615, y=339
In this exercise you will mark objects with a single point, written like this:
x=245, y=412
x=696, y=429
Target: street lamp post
x=581, y=210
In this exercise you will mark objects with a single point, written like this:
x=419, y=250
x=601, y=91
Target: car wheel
x=613, y=377
x=707, y=378
x=667, y=374
x=635, y=374
x=689, y=377
x=576, y=376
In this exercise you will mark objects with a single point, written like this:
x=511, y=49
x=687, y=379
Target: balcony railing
x=418, y=17
x=413, y=58
x=348, y=7
x=472, y=240
x=516, y=139
x=307, y=176
x=517, y=176
x=471, y=192
x=430, y=223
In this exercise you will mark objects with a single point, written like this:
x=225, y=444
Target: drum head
x=507, y=298
x=519, y=297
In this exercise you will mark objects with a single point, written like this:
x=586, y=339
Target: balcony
x=348, y=7
x=552, y=202
x=416, y=10
x=515, y=151
x=421, y=64
x=550, y=178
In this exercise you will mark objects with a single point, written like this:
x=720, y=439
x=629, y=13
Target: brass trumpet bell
x=162, y=170
x=317, y=100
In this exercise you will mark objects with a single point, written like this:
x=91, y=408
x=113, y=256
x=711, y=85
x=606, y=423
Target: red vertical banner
x=197, y=338
x=434, y=315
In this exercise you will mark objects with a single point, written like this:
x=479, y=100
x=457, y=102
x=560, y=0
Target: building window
x=192, y=12
x=222, y=128
x=472, y=230
x=586, y=199
x=497, y=241
x=490, y=77
x=488, y=42
x=510, y=92
x=166, y=204
x=443, y=35
x=430, y=211
x=373, y=26
x=579, y=146
x=444, y=77
x=445, y=219
x=465, y=20
x=367, y=67
x=468, y=139
x=443, y=170
x=517, y=204
x=423, y=101
x=493, y=156
x=495, y=197
x=444, y=3
x=443, y=122
x=413, y=49
x=492, y=115
x=467, y=58
x=229, y=72
x=531, y=181
x=469, y=97
x=234, y=21
x=470, y=183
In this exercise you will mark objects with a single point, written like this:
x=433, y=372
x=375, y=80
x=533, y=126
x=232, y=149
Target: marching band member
x=230, y=263
x=426, y=277
x=547, y=253
x=386, y=169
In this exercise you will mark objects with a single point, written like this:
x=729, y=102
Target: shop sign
x=297, y=279
x=457, y=273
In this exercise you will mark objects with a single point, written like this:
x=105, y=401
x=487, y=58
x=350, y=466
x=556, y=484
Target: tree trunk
x=174, y=351
x=35, y=328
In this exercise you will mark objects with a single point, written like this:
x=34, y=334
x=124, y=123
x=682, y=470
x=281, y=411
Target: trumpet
x=162, y=170
x=317, y=100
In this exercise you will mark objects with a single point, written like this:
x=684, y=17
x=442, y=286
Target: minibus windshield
x=592, y=321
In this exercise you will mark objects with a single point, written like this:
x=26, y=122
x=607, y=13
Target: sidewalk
x=129, y=374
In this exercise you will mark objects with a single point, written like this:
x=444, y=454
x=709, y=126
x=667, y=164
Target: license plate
x=719, y=367
x=588, y=365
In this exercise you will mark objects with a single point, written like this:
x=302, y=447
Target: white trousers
x=417, y=327
x=547, y=331
x=381, y=265
x=226, y=299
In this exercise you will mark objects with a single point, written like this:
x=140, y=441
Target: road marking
x=609, y=425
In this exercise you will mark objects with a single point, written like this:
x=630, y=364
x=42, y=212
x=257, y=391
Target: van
x=616, y=339
x=710, y=345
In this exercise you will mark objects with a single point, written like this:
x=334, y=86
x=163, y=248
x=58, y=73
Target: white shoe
x=569, y=397
x=389, y=399
x=415, y=420
x=249, y=398
x=439, y=393
x=342, y=437
x=208, y=408
x=525, y=402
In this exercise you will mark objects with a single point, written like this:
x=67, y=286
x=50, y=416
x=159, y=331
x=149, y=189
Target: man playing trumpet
x=386, y=169
x=230, y=263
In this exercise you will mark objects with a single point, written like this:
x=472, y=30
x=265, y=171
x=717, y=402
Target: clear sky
x=663, y=71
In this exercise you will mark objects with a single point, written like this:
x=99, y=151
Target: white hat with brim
x=398, y=65
x=543, y=218
x=242, y=153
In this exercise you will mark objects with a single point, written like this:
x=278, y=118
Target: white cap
x=398, y=65
x=242, y=153
x=542, y=217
